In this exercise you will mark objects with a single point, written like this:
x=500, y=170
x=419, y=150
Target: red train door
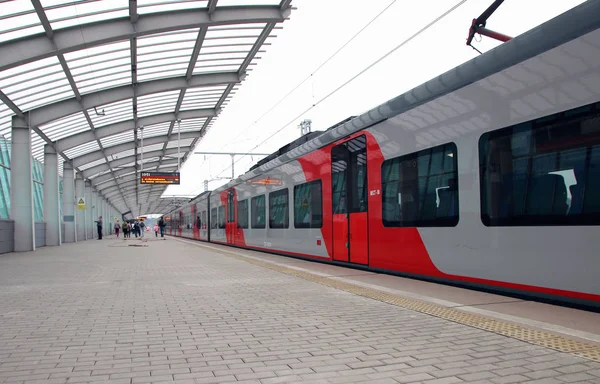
x=349, y=196
x=230, y=225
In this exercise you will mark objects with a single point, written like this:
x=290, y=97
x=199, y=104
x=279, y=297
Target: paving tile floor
x=101, y=311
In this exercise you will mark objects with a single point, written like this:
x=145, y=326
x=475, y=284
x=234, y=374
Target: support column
x=89, y=218
x=51, y=197
x=100, y=212
x=94, y=213
x=21, y=186
x=103, y=213
x=112, y=218
x=80, y=213
x=69, y=201
x=109, y=215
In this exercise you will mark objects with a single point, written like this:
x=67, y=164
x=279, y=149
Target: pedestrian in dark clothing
x=162, y=225
x=99, y=225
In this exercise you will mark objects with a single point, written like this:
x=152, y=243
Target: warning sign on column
x=81, y=203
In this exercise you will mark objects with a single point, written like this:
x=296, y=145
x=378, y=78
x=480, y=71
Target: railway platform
x=187, y=312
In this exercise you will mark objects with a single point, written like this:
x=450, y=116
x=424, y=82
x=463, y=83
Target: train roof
x=200, y=196
x=296, y=143
x=565, y=27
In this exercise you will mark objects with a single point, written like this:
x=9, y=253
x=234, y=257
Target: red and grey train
x=487, y=176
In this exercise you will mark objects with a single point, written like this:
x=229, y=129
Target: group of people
x=137, y=227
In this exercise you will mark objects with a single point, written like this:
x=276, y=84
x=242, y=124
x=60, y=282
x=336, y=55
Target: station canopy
x=90, y=76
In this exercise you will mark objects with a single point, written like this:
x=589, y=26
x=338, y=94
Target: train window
x=213, y=219
x=242, y=214
x=203, y=222
x=258, y=211
x=308, y=205
x=339, y=164
x=543, y=172
x=421, y=189
x=278, y=209
x=221, y=209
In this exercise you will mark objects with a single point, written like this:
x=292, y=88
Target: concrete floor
x=104, y=311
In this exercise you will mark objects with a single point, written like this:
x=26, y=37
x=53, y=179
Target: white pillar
x=103, y=213
x=89, y=218
x=111, y=214
x=100, y=205
x=110, y=217
x=94, y=213
x=103, y=216
x=69, y=201
x=51, y=197
x=80, y=213
x=21, y=186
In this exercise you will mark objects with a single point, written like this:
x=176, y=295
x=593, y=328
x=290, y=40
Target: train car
x=487, y=176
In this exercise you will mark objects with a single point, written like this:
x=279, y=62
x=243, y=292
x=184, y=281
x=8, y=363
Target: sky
x=314, y=32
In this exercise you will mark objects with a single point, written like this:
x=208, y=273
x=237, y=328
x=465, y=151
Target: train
x=487, y=177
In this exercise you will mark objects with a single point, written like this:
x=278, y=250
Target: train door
x=195, y=222
x=349, y=196
x=231, y=225
x=180, y=224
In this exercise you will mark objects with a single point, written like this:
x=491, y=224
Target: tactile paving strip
x=533, y=336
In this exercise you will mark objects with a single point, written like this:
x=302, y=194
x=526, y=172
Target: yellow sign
x=266, y=181
x=81, y=204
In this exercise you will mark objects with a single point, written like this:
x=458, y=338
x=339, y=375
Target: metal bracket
x=478, y=26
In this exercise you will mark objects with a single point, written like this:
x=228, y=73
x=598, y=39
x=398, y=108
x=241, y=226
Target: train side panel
x=274, y=197
x=425, y=193
x=557, y=259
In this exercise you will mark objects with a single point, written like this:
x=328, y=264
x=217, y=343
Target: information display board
x=160, y=178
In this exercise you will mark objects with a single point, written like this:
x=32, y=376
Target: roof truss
x=151, y=86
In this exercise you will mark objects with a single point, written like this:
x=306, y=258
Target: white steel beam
x=128, y=125
x=133, y=15
x=253, y=51
x=130, y=185
x=39, y=46
x=124, y=171
x=64, y=108
x=124, y=160
x=50, y=34
x=102, y=153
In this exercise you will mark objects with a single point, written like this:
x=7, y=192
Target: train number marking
x=374, y=192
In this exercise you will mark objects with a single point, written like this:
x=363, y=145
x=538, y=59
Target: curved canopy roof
x=92, y=77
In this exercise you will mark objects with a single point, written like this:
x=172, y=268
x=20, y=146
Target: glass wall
x=4, y=178
x=37, y=169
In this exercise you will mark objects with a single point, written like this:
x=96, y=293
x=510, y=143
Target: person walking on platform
x=162, y=225
x=136, y=229
x=124, y=228
x=99, y=226
x=156, y=230
x=142, y=228
x=117, y=228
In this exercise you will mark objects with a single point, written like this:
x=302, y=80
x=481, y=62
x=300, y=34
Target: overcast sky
x=316, y=30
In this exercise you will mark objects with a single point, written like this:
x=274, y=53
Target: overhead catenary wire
x=311, y=76
x=403, y=43
x=319, y=67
